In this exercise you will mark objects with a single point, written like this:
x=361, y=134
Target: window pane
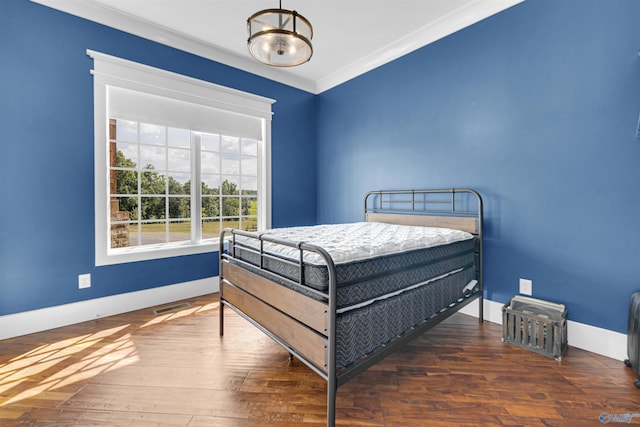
x=210, y=228
x=210, y=162
x=125, y=204
x=210, y=142
x=230, y=164
x=249, y=165
x=210, y=184
x=152, y=208
x=120, y=236
x=210, y=207
x=153, y=233
x=249, y=147
x=179, y=231
x=230, y=206
x=126, y=130
x=179, y=159
x=152, y=183
x=249, y=223
x=152, y=134
x=119, y=226
x=126, y=155
x=153, y=157
x=179, y=208
x=179, y=183
x=249, y=206
x=126, y=182
x=179, y=137
x=230, y=223
x=230, y=144
x=250, y=185
x=230, y=185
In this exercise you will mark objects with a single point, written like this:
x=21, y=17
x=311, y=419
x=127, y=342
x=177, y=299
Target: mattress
x=374, y=261
x=361, y=331
x=350, y=242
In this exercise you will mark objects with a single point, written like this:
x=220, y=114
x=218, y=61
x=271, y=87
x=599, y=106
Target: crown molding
x=449, y=24
x=104, y=15
x=458, y=19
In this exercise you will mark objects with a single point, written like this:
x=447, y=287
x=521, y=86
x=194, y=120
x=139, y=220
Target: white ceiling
x=350, y=37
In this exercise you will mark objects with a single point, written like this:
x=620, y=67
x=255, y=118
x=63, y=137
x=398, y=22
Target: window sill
x=151, y=252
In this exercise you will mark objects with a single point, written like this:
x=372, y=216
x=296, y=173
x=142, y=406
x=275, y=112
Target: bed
x=340, y=297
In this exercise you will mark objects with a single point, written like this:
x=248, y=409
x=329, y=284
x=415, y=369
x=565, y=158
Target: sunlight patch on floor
x=22, y=372
x=51, y=367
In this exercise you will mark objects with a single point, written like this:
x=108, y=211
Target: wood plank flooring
x=143, y=369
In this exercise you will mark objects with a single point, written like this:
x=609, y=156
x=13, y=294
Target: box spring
x=363, y=330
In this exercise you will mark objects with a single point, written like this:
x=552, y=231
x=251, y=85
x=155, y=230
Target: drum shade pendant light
x=280, y=37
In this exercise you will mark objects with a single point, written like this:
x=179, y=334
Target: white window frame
x=112, y=71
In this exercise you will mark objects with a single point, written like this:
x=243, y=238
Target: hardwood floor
x=172, y=369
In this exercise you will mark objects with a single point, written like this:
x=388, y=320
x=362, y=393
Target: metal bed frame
x=305, y=326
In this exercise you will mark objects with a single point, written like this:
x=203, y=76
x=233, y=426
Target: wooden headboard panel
x=459, y=209
x=470, y=225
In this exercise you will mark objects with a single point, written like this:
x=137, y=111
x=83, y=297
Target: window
x=176, y=161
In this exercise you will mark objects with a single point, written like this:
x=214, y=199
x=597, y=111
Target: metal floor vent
x=170, y=308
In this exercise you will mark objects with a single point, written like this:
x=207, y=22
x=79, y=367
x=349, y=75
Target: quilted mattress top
x=358, y=241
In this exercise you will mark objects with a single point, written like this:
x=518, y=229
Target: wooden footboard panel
x=306, y=310
x=265, y=303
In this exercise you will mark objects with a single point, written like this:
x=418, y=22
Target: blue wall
x=536, y=108
x=46, y=122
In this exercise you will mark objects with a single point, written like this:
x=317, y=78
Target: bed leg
x=481, y=309
x=332, y=390
x=221, y=314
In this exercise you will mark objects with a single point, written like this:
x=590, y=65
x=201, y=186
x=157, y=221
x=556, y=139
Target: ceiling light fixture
x=280, y=37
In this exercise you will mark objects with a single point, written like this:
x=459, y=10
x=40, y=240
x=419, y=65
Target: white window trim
x=109, y=70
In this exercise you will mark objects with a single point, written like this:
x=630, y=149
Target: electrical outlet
x=84, y=281
x=526, y=287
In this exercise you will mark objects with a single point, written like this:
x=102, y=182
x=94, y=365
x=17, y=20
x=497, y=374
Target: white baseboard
x=13, y=325
x=596, y=340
